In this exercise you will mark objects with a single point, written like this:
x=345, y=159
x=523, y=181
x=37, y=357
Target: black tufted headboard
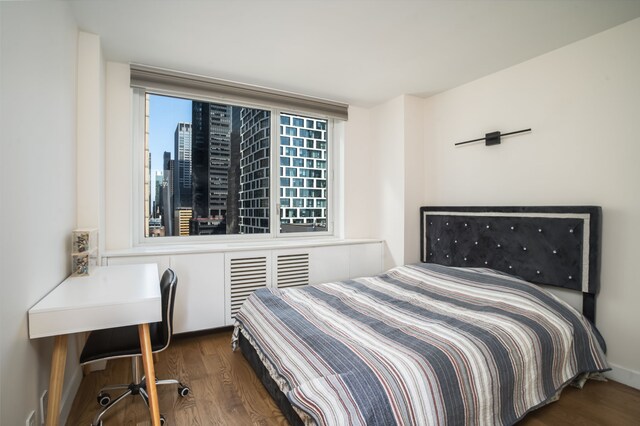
x=556, y=246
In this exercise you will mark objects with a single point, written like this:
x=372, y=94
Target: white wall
x=395, y=181
x=118, y=158
x=583, y=103
x=414, y=168
x=90, y=161
x=360, y=158
x=387, y=123
x=38, y=178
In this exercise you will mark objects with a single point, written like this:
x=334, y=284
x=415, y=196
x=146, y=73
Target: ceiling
x=355, y=51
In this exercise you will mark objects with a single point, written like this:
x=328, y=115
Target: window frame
x=334, y=135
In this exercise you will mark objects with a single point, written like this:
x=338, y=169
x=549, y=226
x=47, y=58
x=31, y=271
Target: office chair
x=122, y=342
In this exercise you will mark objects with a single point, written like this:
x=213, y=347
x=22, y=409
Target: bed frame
x=555, y=246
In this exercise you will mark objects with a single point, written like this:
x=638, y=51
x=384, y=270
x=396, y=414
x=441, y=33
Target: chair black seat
x=120, y=342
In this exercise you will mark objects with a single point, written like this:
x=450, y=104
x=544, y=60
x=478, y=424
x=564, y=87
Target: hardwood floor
x=225, y=391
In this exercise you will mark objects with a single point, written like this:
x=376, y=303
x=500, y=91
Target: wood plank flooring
x=225, y=391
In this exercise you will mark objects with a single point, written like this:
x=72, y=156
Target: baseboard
x=624, y=375
x=69, y=394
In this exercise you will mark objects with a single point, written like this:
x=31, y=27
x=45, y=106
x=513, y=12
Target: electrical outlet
x=43, y=406
x=31, y=419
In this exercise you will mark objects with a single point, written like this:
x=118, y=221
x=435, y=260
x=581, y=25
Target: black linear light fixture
x=493, y=138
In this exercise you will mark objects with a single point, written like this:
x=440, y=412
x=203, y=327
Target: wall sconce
x=493, y=138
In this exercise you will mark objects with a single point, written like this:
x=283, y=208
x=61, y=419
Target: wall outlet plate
x=31, y=419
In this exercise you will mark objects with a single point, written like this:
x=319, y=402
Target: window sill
x=280, y=244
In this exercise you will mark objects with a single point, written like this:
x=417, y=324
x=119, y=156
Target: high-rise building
x=166, y=207
x=148, y=182
x=181, y=221
x=233, y=195
x=303, y=173
x=182, y=166
x=211, y=137
x=255, y=133
x=158, y=177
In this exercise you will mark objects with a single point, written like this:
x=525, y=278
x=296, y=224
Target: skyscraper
x=233, y=196
x=255, y=132
x=182, y=166
x=211, y=137
x=167, y=194
x=158, y=178
x=303, y=173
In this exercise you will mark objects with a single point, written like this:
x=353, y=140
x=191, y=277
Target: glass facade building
x=182, y=166
x=303, y=173
x=255, y=135
x=211, y=152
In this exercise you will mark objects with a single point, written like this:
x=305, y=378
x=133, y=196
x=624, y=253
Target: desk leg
x=149, y=372
x=56, y=380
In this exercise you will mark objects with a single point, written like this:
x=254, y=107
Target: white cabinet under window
x=213, y=285
x=200, y=299
x=329, y=264
x=365, y=259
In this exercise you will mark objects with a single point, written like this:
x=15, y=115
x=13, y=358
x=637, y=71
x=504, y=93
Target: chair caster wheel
x=162, y=420
x=104, y=399
x=183, y=391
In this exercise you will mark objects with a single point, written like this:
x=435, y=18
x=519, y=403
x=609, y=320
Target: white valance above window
x=169, y=81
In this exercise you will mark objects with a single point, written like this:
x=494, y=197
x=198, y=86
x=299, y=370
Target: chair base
x=136, y=388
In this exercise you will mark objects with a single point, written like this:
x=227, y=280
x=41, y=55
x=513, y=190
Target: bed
x=466, y=336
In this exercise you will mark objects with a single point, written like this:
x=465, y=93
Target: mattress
x=419, y=344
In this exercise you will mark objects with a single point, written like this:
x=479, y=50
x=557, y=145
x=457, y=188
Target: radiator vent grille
x=246, y=276
x=293, y=270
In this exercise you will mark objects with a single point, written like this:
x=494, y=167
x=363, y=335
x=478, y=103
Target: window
x=209, y=169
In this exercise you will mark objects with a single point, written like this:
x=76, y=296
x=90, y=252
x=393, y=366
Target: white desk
x=110, y=297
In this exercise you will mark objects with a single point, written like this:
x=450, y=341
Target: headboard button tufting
x=548, y=245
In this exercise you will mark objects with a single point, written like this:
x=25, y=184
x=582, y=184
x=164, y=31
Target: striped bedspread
x=420, y=344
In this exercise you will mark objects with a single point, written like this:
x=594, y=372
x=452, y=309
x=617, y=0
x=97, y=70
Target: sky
x=164, y=114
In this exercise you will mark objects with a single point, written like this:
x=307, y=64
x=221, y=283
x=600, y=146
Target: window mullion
x=275, y=172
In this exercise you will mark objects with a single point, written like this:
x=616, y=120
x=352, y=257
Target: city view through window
x=209, y=169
